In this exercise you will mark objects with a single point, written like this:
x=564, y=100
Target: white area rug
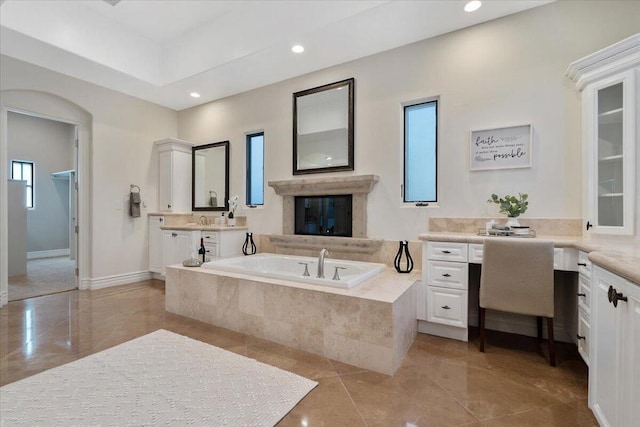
x=158, y=379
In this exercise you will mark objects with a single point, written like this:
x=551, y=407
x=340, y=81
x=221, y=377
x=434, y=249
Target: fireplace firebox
x=324, y=215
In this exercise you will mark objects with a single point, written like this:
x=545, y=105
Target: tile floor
x=441, y=382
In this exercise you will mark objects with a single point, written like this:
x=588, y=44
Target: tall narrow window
x=23, y=171
x=420, y=152
x=255, y=169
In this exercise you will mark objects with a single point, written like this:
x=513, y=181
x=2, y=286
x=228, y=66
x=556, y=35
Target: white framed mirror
x=323, y=122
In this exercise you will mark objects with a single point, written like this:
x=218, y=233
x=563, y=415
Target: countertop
x=619, y=257
x=199, y=227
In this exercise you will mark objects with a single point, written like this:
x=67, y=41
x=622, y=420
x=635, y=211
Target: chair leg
x=552, y=345
x=539, y=319
x=482, y=332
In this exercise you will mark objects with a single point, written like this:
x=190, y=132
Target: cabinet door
x=165, y=187
x=611, y=125
x=168, y=248
x=155, y=244
x=631, y=353
x=185, y=247
x=604, y=358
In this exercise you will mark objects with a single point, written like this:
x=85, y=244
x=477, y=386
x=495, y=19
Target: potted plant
x=511, y=205
x=233, y=205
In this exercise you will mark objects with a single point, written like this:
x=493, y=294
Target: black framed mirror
x=210, y=177
x=323, y=128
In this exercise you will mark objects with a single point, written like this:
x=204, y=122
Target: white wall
x=17, y=233
x=49, y=145
x=501, y=73
x=123, y=131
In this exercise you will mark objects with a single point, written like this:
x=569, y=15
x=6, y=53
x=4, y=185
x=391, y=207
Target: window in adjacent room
x=255, y=169
x=23, y=171
x=420, y=152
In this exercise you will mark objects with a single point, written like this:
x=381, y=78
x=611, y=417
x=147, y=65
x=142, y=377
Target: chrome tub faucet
x=324, y=252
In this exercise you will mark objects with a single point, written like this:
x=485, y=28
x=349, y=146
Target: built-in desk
x=444, y=294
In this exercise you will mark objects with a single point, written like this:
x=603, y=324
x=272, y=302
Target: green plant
x=511, y=205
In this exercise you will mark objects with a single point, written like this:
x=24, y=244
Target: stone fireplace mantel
x=359, y=186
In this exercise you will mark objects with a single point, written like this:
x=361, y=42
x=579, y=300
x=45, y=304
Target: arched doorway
x=52, y=107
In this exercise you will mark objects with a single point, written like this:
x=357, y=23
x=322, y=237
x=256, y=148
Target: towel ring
x=132, y=186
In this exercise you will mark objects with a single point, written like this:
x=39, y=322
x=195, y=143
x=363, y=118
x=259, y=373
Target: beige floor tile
x=441, y=382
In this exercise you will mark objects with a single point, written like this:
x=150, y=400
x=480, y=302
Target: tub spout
x=324, y=252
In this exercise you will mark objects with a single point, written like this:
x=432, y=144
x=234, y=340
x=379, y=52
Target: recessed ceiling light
x=472, y=6
x=195, y=94
x=297, y=49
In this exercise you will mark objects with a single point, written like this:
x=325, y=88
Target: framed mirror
x=323, y=128
x=210, y=177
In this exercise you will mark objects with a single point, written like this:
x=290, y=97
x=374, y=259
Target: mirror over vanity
x=323, y=128
x=210, y=177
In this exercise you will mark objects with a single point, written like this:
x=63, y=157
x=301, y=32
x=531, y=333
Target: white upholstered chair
x=517, y=277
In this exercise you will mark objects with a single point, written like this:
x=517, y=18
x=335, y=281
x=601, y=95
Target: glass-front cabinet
x=608, y=80
x=612, y=151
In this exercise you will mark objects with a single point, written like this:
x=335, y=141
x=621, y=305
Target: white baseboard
x=48, y=254
x=118, y=279
x=4, y=298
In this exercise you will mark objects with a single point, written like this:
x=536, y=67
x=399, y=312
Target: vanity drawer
x=584, y=265
x=475, y=253
x=209, y=236
x=448, y=274
x=584, y=294
x=447, y=251
x=447, y=306
x=583, y=336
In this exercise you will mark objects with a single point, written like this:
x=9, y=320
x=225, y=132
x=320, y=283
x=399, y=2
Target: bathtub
x=288, y=267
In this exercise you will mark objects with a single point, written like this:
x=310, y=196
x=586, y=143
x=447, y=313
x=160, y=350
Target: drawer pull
x=446, y=252
x=207, y=237
x=174, y=234
x=582, y=264
x=446, y=275
x=446, y=307
x=581, y=337
x=582, y=295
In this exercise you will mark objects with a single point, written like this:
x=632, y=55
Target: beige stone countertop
x=618, y=256
x=387, y=286
x=199, y=227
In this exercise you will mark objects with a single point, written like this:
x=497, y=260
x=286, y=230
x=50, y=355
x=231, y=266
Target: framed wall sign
x=500, y=148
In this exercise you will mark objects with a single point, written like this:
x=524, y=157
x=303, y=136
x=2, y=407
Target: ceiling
x=162, y=50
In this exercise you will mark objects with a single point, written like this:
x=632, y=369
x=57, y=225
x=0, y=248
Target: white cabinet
x=443, y=293
x=178, y=246
x=583, y=336
x=155, y=243
x=610, y=108
x=223, y=244
x=174, y=175
x=614, y=371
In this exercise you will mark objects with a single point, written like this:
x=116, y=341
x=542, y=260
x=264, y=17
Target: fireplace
x=357, y=187
x=324, y=215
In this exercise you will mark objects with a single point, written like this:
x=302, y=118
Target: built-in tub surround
x=337, y=273
x=370, y=326
x=349, y=248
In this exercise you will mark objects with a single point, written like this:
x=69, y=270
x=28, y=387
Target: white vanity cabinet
x=155, y=243
x=614, y=370
x=179, y=245
x=608, y=80
x=223, y=244
x=174, y=175
x=443, y=295
x=584, y=306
